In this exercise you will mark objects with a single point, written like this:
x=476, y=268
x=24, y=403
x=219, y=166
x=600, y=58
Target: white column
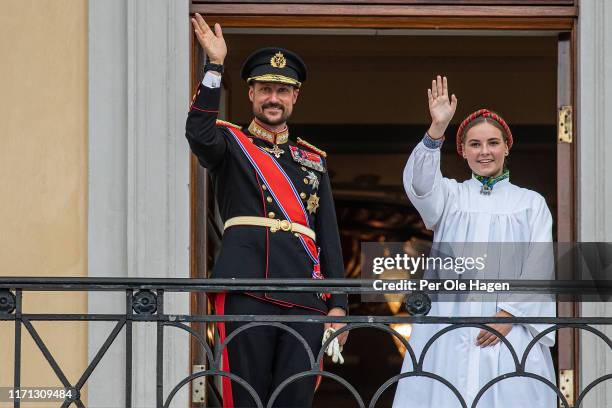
x=138, y=180
x=594, y=170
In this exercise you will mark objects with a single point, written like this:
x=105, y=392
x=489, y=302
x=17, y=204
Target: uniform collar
x=260, y=132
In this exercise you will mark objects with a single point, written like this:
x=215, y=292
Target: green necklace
x=489, y=182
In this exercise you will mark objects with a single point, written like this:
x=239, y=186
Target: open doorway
x=365, y=104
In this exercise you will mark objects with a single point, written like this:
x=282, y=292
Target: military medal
x=313, y=180
x=312, y=203
x=276, y=151
x=307, y=159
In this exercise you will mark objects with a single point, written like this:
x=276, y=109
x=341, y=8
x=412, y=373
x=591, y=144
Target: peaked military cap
x=274, y=65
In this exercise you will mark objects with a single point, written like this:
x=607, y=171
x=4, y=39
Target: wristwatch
x=209, y=66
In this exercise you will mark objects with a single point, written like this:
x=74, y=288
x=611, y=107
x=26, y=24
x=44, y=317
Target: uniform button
x=303, y=195
x=306, y=181
x=269, y=199
x=303, y=168
x=263, y=187
x=271, y=215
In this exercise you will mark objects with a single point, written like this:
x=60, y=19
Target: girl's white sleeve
x=424, y=184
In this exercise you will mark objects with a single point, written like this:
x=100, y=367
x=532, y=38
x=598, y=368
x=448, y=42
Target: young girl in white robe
x=487, y=208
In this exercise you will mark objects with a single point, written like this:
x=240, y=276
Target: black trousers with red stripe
x=265, y=356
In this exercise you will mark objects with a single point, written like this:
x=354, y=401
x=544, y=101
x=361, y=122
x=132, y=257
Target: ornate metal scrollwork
x=418, y=303
x=7, y=301
x=145, y=302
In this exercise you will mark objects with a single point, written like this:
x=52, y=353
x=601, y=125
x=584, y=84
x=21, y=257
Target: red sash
x=283, y=191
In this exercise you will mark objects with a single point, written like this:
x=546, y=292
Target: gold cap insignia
x=278, y=60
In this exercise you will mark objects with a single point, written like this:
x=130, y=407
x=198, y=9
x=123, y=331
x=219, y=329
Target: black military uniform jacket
x=256, y=252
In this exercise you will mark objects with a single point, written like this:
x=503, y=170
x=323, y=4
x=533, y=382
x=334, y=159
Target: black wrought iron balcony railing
x=144, y=302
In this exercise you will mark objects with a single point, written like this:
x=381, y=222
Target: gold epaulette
x=226, y=123
x=315, y=149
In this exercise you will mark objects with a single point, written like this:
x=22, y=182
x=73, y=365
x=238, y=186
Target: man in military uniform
x=275, y=199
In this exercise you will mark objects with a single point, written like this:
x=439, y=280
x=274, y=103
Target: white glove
x=334, y=349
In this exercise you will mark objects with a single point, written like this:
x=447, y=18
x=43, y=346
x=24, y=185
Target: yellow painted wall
x=43, y=173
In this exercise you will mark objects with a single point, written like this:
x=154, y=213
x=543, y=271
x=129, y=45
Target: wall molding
x=138, y=179
x=595, y=192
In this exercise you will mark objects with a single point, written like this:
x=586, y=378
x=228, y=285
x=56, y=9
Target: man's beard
x=263, y=119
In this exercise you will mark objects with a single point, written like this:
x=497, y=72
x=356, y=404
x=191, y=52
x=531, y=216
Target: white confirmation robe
x=458, y=213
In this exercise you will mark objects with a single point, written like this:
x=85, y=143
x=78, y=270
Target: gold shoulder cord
x=311, y=147
x=226, y=123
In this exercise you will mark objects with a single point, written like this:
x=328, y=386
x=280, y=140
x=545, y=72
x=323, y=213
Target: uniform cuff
x=338, y=300
x=207, y=99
